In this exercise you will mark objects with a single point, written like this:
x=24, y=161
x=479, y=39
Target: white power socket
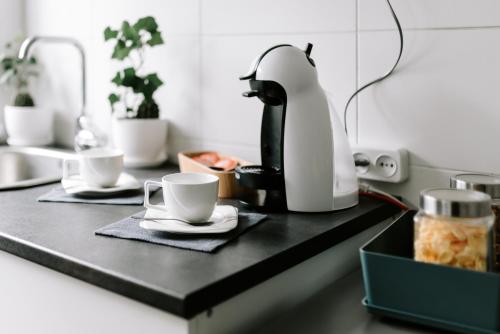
x=381, y=165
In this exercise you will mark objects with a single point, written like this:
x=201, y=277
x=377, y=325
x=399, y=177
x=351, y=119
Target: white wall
x=11, y=26
x=441, y=104
x=208, y=45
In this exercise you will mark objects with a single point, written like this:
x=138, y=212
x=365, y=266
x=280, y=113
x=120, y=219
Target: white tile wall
x=179, y=97
x=174, y=16
x=177, y=63
x=208, y=46
x=278, y=16
x=56, y=17
x=12, y=18
x=61, y=92
x=437, y=105
x=421, y=178
x=425, y=14
x=442, y=103
x=12, y=25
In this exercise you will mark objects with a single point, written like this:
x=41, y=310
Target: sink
x=22, y=167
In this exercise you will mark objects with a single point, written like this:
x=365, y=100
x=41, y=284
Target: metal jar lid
x=455, y=203
x=486, y=183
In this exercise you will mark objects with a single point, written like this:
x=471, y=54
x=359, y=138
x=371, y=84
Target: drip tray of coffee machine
x=269, y=185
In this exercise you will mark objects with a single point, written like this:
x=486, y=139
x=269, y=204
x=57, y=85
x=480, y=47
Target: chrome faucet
x=87, y=135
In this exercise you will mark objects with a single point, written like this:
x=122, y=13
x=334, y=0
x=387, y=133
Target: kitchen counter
x=61, y=236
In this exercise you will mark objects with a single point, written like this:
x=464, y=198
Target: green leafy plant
x=16, y=73
x=130, y=45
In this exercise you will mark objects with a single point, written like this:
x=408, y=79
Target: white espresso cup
x=98, y=167
x=188, y=196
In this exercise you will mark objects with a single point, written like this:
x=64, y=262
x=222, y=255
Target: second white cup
x=188, y=196
x=98, y=167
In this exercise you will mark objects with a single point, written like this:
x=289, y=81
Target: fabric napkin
x=126, y=198
x=129, y=228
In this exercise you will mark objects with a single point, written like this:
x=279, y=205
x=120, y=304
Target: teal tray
x=423, y=320
x=463, y=301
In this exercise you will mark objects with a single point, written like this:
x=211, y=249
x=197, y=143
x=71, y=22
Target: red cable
x=384, y=198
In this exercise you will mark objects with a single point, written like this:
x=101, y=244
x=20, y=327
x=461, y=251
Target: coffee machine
x=306, y=161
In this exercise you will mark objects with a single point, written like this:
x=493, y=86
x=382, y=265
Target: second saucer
x=75, y=185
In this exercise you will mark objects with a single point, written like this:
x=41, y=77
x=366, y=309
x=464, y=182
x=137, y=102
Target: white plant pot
x=28, y=126
x=3, y=133
x=143, y=141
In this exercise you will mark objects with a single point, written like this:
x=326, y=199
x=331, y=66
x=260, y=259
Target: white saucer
x=76, y=186
x=224, y=219
x=29, y=142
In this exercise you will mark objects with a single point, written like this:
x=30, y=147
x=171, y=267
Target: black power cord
x=385, y=75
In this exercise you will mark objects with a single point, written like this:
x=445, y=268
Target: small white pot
x=28, y=126
x=3, y=133
x=143, y=141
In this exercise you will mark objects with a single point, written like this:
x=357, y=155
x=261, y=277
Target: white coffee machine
x=307, y=164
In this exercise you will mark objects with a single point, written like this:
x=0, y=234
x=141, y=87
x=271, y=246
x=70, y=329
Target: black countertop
x=61, y=236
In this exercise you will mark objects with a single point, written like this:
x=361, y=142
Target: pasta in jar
x=447, y=236
x=488, y=184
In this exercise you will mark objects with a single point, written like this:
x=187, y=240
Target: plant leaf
x=121, y=51
x=110, y=33
x=113, y=98
x=130, y=33
x=7, y=63
x=154, y=81
x=151, y=84
x=128, y=76
x=147, y=23
x=117, y=80
x=155, y=39
x=6, y=76
x=132, y=80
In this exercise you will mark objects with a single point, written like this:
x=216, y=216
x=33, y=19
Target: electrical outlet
x=381, y=164
x=386, y=165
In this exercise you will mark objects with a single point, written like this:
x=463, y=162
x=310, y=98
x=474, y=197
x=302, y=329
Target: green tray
x=423, y=320
x=455, y=299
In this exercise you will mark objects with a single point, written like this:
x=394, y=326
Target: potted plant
x=137, y=128
x=25, y=123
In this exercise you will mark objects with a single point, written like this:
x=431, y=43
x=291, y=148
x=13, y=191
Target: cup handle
x=67, y=168
x=147, y=204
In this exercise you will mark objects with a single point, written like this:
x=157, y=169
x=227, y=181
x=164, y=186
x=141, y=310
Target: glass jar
x=489, y=184
x=454, y=228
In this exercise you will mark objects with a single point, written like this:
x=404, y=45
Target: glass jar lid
x=455, y=203
x=486, y=183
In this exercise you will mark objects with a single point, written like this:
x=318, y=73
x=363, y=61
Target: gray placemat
x=129, y=228
x=127, y=198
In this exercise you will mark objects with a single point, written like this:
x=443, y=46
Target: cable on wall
x=401, y=43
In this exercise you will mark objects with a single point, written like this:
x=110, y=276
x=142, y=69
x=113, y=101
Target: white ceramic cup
x=188, y=196
x=98, y=167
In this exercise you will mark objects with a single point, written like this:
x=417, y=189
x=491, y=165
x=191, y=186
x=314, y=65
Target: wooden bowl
x=228, y=187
